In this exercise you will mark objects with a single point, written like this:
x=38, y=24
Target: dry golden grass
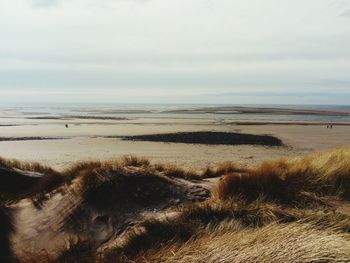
x=27, y=166
x=119, y=185
x=131, y=160
x=192, y=220
x=165, y=169
x=50, y=180
x=229, y=242
x=252, y=233
x=292, y=181
x=221, y=169
x=175, y=171
x=200, y=220
x=280, y=211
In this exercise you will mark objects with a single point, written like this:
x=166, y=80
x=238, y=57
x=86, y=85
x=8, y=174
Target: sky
x=175, y=51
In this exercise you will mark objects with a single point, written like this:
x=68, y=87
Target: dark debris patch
x=4, y=139
x=212, y=138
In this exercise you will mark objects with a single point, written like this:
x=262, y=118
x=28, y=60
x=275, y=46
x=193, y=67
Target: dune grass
x=52, y=179
x=198, y=232
x=117, y=185
x=292, y=181
x=230, y=242
x=279, y=211
x=159, y=240
x=49, y=181
x=193, y=220
x=222, y=169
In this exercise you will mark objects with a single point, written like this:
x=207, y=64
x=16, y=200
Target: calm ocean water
x=13, y=114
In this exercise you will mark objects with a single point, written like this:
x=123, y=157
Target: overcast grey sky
x=173, y=51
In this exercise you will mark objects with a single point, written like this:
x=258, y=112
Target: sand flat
x=309, y=137
x=87, y=141
x=60, y=154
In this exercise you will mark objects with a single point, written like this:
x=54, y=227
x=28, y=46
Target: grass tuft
x=292, y=181
x=222, y=169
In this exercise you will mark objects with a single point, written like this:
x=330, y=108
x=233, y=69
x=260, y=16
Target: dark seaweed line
x=209, y=138
x=5, y=139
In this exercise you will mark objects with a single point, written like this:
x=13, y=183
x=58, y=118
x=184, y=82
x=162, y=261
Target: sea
x=12, y=114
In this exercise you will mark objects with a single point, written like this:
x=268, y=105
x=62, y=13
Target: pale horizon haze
x=175, y=51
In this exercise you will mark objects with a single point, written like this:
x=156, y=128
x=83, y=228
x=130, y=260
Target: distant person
x=66, y=125
x=331, y=126
x=327, y=126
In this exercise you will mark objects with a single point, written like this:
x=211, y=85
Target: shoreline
x=152, y=120
x=257, y=110
x=303, y=123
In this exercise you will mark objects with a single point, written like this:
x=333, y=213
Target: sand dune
x=134, y=210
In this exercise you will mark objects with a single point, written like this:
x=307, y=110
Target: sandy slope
x=48, y=228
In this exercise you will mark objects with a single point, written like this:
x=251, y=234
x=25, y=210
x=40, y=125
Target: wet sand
x=259, y=110
x=86, y=140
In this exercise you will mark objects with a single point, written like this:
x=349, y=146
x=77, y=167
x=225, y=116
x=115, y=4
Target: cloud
x=104, y=4
x=45, y=3
x=325, y=94
x=275, y=46
x=346, y=13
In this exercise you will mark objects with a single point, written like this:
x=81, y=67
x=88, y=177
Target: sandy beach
x=88, y=139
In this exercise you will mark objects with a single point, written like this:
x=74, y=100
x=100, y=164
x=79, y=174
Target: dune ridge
x=132, y=210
